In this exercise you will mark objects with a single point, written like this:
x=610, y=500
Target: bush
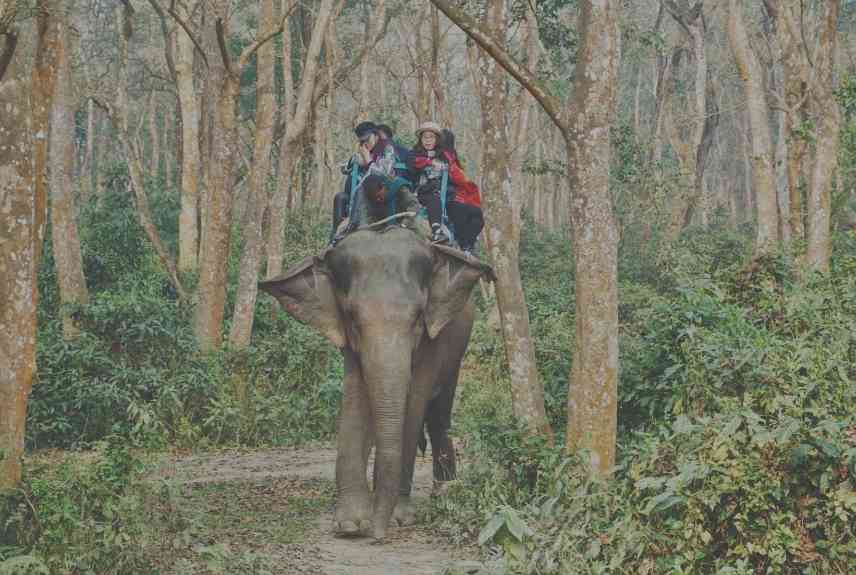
x=737, y=436
x=85, y=514
x=135, y=370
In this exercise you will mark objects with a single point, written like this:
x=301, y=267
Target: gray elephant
x=400, y=310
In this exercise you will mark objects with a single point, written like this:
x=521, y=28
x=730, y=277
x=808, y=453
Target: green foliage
x=738, y=436
x=135, y=370
x=83, y=515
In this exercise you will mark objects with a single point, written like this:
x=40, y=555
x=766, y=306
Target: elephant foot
x=352, y=517
x=351, y=529
x=405, y=512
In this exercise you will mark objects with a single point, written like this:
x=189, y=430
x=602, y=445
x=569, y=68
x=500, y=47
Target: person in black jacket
x=402, y=153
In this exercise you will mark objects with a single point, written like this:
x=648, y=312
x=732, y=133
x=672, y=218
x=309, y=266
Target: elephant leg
x=438, y=420
x=353, y=506
x=421, y=387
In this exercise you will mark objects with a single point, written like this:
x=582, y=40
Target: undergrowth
x=737, y=428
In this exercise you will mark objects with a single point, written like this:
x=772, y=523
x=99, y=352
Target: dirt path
x=271, y=512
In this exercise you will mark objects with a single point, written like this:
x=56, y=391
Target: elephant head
x=393, y=281
x=391, y=302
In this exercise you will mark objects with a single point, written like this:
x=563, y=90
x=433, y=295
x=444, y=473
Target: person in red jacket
x=464, y=207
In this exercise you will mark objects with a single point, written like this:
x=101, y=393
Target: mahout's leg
x=353, y=506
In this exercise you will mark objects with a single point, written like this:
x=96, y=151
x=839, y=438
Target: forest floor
x=270, y=511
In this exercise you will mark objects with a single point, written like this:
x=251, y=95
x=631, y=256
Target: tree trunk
x=593, y=393
x=25, y=104
x=527, y=393
x=86, y=186
x=374, y=23
x=154, y=139
x=66, y=242
x=296, y=124
x=214, y=256
x=692, y=149
x=245, y=302
x=763, y=175
x=824, y=109
x=188, y=226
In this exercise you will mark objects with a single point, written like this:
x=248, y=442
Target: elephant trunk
x=386, y=366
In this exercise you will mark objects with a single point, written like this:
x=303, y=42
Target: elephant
x=400, y=310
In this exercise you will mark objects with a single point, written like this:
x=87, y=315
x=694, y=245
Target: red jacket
x=466, y=192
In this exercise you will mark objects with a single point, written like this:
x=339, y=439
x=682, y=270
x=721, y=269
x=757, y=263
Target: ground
x=271, y=511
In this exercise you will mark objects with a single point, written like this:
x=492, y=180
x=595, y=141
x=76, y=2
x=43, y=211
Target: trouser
x=341, y=202
x=468, y=221
x=429, y=196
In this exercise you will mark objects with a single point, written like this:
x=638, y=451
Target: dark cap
x=364, y=129
x=385, y=129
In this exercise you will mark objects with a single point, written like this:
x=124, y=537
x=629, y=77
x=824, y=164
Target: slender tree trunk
x=763, y=175
x=66, y=242
x=296, y=124
x=154, y=139
x=593, y=393
x=25, y=103
x=374, y=24
x=827, y=117
x=188, y=219
x=527, y=393
x=214, y=255
x=86, y=186
x=245, y=302
x=689, y=148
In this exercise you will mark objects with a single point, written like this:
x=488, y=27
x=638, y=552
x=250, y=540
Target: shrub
x=85, y=514
x=737, y=441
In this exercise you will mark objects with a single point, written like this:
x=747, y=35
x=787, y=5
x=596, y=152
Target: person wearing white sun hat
x=427, y=165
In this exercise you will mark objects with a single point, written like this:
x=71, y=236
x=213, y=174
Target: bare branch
x=188, y=31
x=221, y=43
x=342, y=73
x=251, y=49
x=548, y=101
x=170, y=61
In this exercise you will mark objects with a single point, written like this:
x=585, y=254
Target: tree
x=503, y=234
x=25, y=104
x=827, y=119
x=763, y=176
x=585, y=125
x=242, y=319
x=223, y=89
x=65, y=239
x=188, y=105
x=693, y=148
x=295, y=112
x=809, y=101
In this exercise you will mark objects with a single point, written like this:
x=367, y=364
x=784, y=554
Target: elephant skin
x=400, y=310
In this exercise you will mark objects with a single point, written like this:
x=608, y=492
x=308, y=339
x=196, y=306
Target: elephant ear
x=306, y=292
x=455, y=274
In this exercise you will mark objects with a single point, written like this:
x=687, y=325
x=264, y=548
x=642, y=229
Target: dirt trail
x=261, y=489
